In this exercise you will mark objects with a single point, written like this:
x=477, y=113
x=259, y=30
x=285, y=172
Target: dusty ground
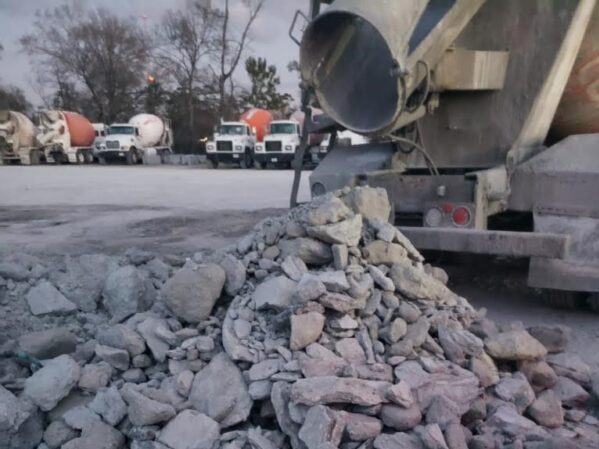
x=58, y=210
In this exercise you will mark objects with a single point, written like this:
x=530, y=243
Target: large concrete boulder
x=192, y=292
x=126, y=292
x=190, y=430
x=47, y=386
x=220, y=392
x=48, y=344
x=515, y=345
x=277, y=292
x=44, y=299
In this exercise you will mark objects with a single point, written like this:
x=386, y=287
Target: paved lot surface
x=65, y=209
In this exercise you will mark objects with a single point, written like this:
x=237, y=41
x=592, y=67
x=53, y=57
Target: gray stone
x=347, y=232
x=338, y=302
x=395, y=331
x=379, y=252
x=418, y=332
x=432, y=436
x=109, y=404
x=570, y=393
x=95, y=376
x=555, y=338
x=263, y=370
x=305, y=329
x=220, y=392
x=401, y=394
x=260, y=390
x=151, y=330
x=514, y=345
x=516, y=390
x=409, y=311
x=459, y=343
x=371, y=202
x=277, y=293
x=507, y=420
x=334, y=281
x=84, y=352
x=143, y=411
x=191, y=293
x=13, y=411
x=184, y=382
x=190, y=430
x=400, y=418
x=455, y=436
x=380, y=279
x=83, y=280
x=117, y=358
x=414, y=283
x=74, y=399
x=485, y=369
x=361, y=427
x=28, y=436
x=98, y=436
x=294, y=268
x=44, y=299
x=340, y=256
x=399, y=440
x=443, y=411
x=322, y=425
x=327, y=210
x=14, y=271
x=58, y=433
x=122, y=337
x=127, y=291
x=48, y=344
x=234, y=274
x=134, y=375
x=47, y=386
x=309, y=288
x=332, y=390
x=310, y=251
x=350, y=350
x=281, y=397
x=204, y=344
x=572, y=366
x=81, y=418
x=157, y=268
x=547, y=410
x=539, y=374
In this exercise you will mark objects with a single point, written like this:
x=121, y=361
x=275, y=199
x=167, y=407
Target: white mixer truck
x=17, y=139
x=144, y=136
x=280, y=145
x=66, y=137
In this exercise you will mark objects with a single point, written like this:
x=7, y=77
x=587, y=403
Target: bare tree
x=231, y=46
x=96, y=52
x=188, y=36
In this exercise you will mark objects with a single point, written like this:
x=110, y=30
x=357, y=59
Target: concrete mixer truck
x=234, y=142
x=18, y=143
x=484, y=125
x=66, y=137
x=145, y=136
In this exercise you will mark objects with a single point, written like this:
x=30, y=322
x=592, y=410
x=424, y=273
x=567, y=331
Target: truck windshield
x=122, y=130
x=283, y=128
x=232, y=130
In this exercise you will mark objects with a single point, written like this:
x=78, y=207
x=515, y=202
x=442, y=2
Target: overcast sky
x=269, y=34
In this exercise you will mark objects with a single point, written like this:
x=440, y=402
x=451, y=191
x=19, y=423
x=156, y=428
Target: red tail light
x=461, y=216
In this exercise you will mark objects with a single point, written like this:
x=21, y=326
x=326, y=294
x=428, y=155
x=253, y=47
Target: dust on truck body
x=66, y=137
x=481, y=116
x=145, y=135
x=18, y=141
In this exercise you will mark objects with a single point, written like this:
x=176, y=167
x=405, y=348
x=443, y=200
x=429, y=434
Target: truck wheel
x=562, y=299
x=80, y=157
x=259, y=165
x=101, y=160
x=131, y=157
x=246, y=161
x=88, y=158
x=593, y=302
x=213, y=163
x=34, y=157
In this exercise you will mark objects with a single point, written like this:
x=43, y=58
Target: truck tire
x=34, y=157
x=101, y=160
x=131, y=157
x=246, y=160
x=562, y=299
x=259, y=165
x=80, y=157
x=593, y=302
x=88, y=157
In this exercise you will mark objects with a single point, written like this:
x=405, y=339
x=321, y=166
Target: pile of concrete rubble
x=321, y=329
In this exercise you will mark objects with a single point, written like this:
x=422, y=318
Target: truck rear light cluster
x=448, y=214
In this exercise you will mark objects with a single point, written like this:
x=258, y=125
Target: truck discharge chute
x=17, y=139
x=479, y=114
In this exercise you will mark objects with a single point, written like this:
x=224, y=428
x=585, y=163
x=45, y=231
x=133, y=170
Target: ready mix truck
x=144, y=135
x=483, y=119
x=18, y=143
x=279, y=145
x=65, y=137
x=234, y=142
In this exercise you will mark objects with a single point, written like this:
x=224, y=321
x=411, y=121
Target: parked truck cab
x=233, y=143
x=279, y=145
x=123, y=141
